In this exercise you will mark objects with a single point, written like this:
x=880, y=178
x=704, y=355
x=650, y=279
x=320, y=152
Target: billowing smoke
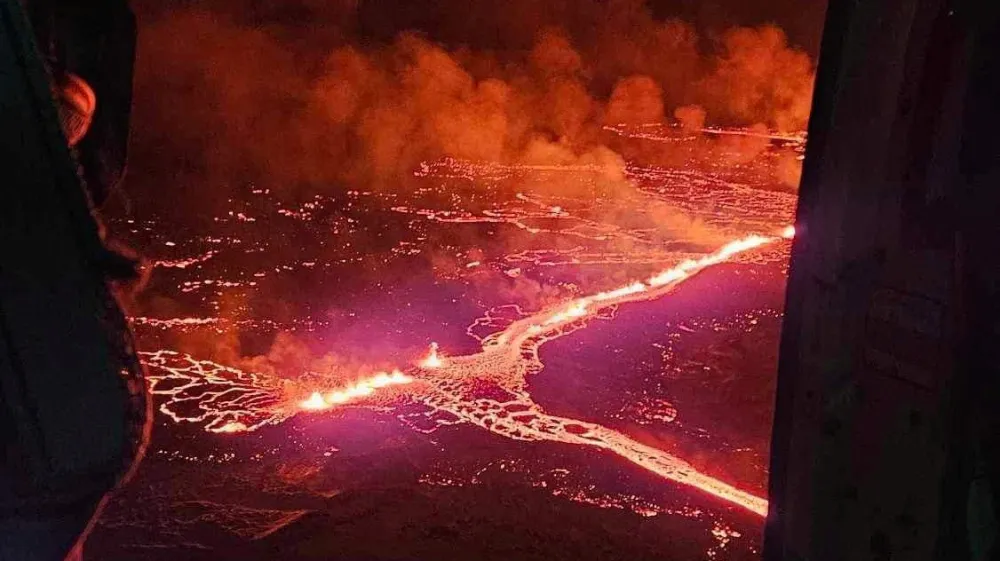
x=294, y=95
x=758, y=79
x=305, y=96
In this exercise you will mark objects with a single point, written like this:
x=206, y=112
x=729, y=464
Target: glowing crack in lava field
x=455, y=373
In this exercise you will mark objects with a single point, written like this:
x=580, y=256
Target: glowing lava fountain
x=432, y=360
x=228, y=400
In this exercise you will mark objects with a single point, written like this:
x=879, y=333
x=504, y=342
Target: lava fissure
x=227, y=400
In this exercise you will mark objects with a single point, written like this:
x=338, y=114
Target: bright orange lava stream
x=364, y=388
x=228, y=400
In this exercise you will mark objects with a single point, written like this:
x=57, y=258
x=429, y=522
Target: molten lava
x=231, y=401
x=318, y=401
x=432, y=360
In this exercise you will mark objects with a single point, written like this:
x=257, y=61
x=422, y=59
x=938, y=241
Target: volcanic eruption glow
x=231, y=401
x=623, y=360
x=583, y=206
x=318, y=401
x=432, y=360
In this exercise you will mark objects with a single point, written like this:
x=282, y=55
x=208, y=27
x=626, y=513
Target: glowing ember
x=183, y=263
x=788, y=232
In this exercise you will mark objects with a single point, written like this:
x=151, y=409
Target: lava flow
x=318, y=401
x=227, y=400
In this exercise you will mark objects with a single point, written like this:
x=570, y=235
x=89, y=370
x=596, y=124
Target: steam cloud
x=237, y=92
x=296, y=96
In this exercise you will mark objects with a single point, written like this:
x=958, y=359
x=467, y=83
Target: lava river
x=487, y=389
